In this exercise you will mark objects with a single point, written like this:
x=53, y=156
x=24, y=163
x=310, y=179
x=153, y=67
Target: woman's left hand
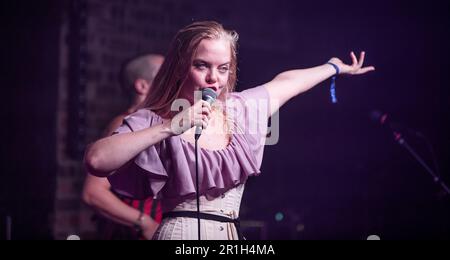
x=356, y=68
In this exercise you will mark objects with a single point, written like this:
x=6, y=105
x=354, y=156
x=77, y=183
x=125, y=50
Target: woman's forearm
x=304, y=79
x=289, y=84
x=110, y=153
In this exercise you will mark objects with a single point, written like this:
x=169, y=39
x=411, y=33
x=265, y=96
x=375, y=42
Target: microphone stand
x=197, y=136
x=209, y=96
x=8, y=225
x=401, y=141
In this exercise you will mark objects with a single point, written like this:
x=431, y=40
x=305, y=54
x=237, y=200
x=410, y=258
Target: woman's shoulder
x=142, y=118
x=143, y=113
x=252, y=98
x=259, y=92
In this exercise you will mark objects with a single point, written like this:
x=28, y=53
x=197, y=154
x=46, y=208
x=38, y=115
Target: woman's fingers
x=206, y=111
x=202, y=114
x=202, y=121
x=197, y=115
x=361, y=59
x=202, y=107
x=354, y=60
x=206, y=104
x=365, y=70
x=358, y=65
x=205, y=124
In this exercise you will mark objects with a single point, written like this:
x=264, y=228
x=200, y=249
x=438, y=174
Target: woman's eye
x=223, y=69
x=200, y=66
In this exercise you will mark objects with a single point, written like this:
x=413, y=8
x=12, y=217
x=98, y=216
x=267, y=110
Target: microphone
x=208, y=95
x=384, y=120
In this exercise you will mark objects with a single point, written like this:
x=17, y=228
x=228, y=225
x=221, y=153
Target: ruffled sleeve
x=250, y=110
x=144, y=176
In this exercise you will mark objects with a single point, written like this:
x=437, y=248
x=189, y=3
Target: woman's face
x=210, y=68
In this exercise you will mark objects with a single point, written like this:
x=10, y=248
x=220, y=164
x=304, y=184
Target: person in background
x=123, y=217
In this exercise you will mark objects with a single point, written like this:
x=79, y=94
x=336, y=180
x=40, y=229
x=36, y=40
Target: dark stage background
x=334, y=173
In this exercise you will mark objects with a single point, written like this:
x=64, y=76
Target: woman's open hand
x=357, y=65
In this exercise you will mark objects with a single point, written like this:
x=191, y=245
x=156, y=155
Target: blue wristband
x=333, y=83
x=335, y=67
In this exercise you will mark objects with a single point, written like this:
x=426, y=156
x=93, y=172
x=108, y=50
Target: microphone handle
x=198, y=132
x=198, y=129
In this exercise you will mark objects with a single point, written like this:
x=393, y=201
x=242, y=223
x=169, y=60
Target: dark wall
x=30, y=45
x=334, y=171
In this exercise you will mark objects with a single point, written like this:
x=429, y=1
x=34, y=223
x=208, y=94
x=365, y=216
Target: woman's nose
x=211, y=77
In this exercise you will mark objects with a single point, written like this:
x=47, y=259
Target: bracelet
x=138, y=224
x=333, y=83
x=335, y=67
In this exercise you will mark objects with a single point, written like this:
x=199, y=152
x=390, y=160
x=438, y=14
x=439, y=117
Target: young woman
x=152, y=153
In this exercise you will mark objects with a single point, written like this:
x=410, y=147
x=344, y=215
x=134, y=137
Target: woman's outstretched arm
x=289, y=84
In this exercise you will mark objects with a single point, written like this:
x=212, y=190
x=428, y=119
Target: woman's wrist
x=335, y=68
x=167, y=128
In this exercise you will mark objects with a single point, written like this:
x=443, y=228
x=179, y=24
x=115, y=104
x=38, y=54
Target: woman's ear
x=142, y=86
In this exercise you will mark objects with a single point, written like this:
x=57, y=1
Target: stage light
x=73, y=237
x=279, y=216
x=300, y=228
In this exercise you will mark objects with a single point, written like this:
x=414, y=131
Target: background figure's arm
x=97, y=194
x=289, y=84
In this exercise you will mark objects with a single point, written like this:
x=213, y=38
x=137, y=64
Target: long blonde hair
x=174, y=71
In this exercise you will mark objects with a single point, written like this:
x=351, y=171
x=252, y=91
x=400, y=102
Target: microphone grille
x=208, y=93
x=378, y=116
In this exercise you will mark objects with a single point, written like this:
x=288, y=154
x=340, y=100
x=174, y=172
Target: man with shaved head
x=125, y=218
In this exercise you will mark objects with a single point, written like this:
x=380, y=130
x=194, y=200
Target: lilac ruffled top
x=167, y=169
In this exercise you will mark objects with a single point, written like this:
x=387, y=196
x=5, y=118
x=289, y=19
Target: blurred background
x=334, y=173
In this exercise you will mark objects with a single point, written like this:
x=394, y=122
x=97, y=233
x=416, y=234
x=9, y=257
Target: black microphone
x=384, y=120
x=208, y=95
